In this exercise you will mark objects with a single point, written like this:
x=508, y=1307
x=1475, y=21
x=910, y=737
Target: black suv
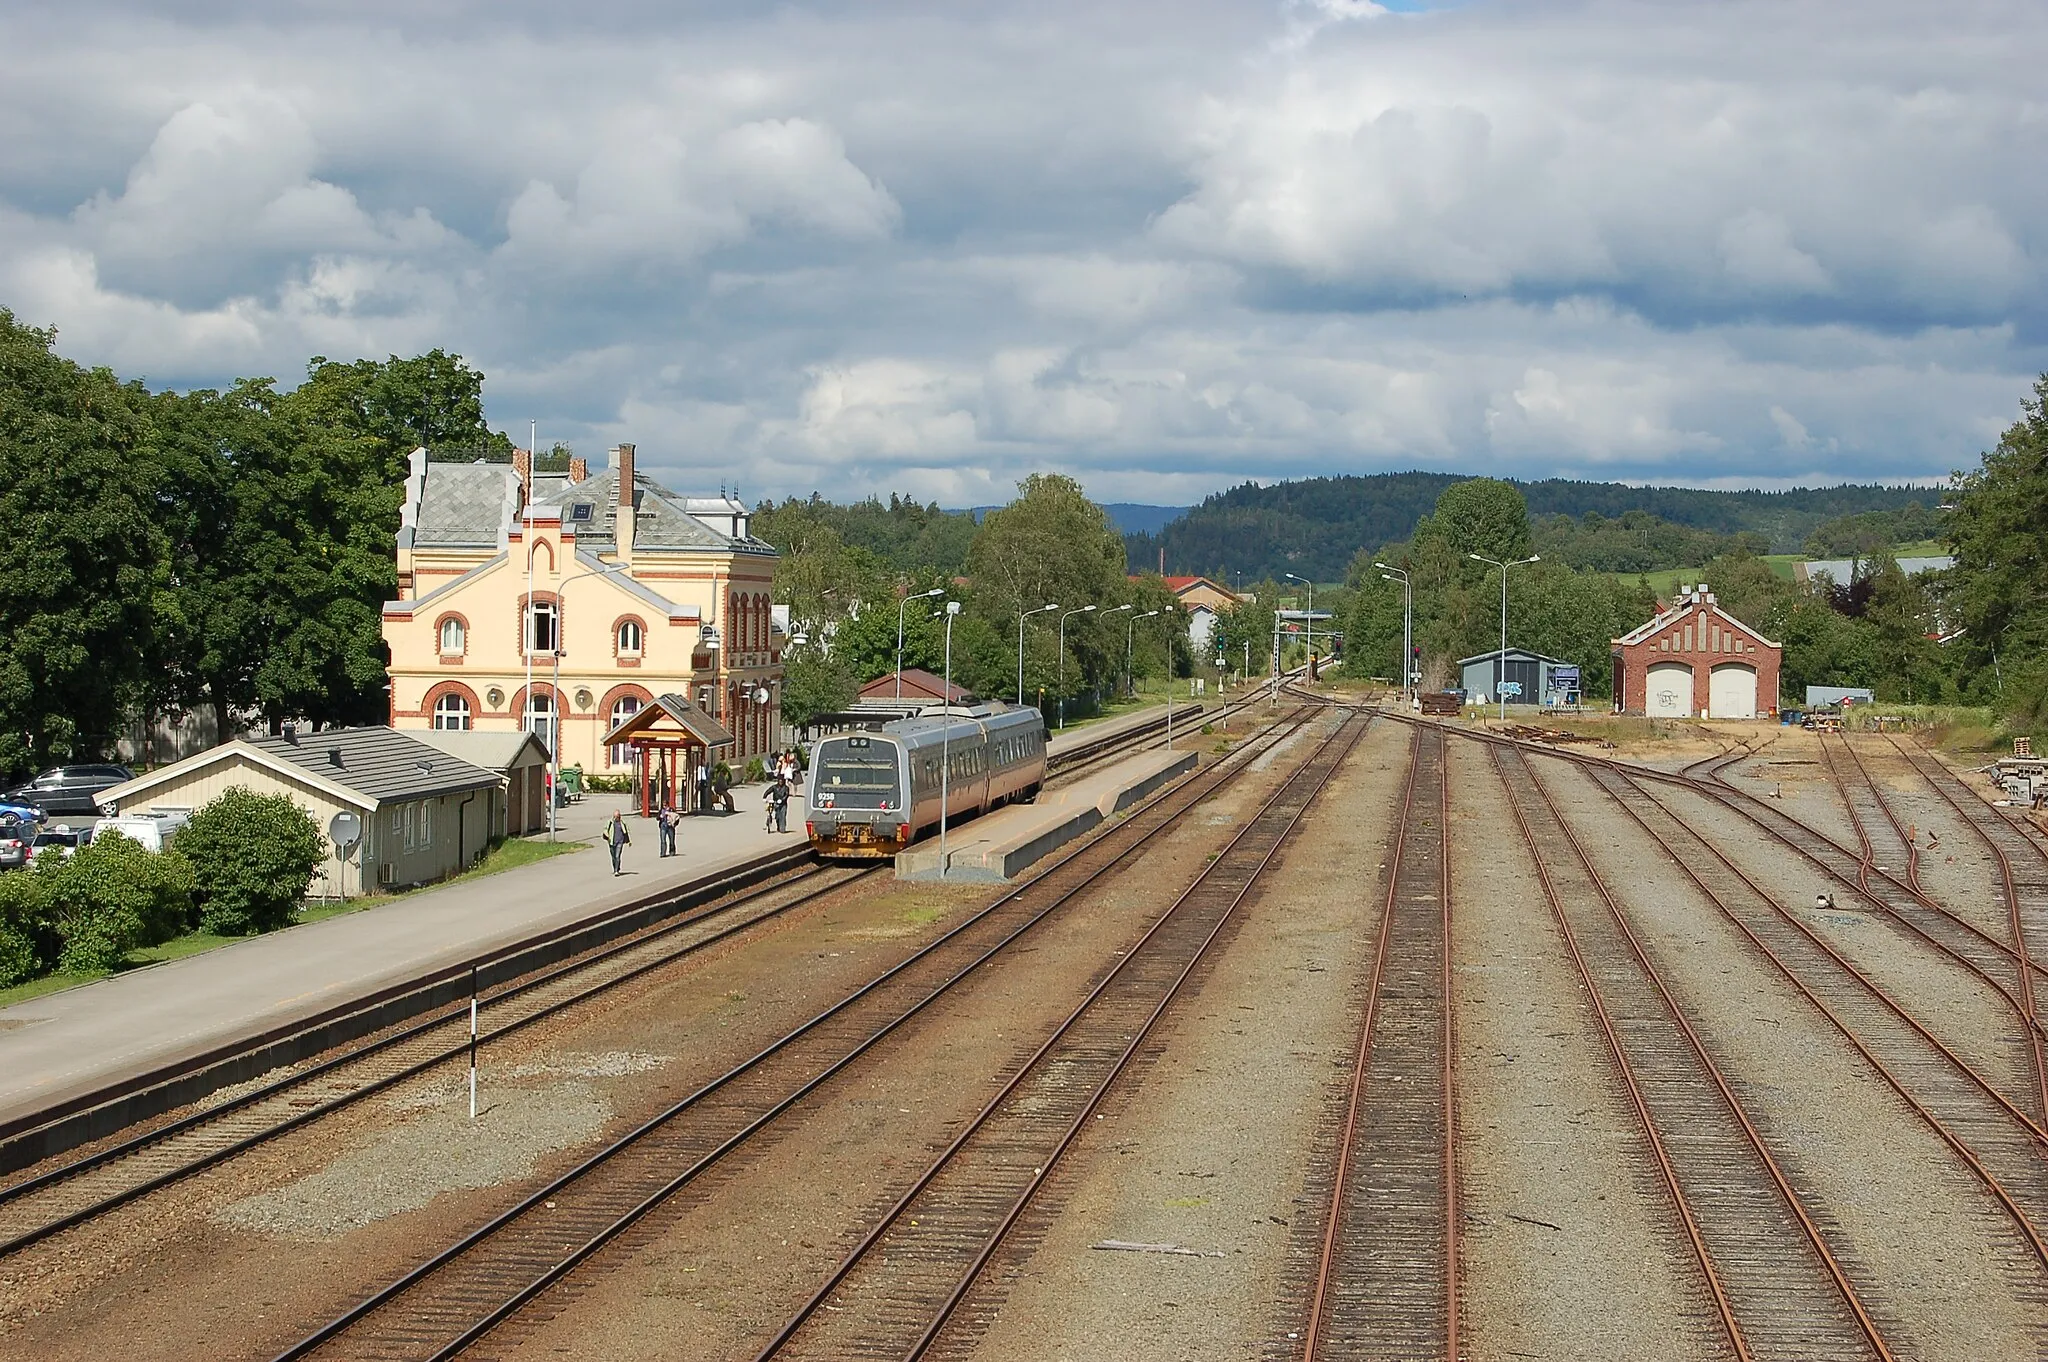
x=69, y=789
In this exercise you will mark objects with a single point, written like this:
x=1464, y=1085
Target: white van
x=152, y=830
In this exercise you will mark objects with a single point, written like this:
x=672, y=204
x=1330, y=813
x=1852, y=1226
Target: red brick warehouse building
x=1696, y=660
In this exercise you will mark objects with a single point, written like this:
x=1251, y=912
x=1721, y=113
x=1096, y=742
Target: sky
x=1164, y=247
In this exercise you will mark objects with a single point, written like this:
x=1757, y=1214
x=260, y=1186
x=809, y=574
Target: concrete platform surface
x=1000, y=845
x=58, y=1046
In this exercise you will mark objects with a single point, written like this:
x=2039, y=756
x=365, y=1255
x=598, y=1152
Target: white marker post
x=472, y=1042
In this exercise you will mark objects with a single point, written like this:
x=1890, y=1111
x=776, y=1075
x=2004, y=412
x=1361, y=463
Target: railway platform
x=999, y=845
x=64, y=1049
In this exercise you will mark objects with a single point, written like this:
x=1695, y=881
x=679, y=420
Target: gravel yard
x=1932, y=1255
x=1185, y=1222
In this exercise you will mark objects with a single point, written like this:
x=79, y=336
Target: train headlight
x=903, y=832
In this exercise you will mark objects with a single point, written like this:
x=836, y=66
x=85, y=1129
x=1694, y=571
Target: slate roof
x=382, y=764
x=917, y=684
x=465, y=504
x=660, y=519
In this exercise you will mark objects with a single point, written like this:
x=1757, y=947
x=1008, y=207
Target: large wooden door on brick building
x=1731, y=691
x=1670, y=691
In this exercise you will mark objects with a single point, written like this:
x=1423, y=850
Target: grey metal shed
x=1533, y=672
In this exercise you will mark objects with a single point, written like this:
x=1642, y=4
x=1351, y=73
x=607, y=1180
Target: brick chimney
x=622, y=460
x=522, y=464
x=579, y=469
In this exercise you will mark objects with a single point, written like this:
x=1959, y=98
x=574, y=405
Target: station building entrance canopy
x=669, y=735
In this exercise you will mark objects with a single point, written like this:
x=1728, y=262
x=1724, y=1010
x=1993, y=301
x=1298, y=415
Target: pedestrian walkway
x=57, y=1046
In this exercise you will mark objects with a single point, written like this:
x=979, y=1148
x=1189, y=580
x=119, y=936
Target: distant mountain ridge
x=1314, y=526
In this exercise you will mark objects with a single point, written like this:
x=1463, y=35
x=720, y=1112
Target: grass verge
x=507, y=855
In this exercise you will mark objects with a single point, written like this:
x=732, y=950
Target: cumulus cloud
x=1162, y=247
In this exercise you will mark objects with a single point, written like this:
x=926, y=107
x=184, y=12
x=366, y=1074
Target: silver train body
x=871, y=794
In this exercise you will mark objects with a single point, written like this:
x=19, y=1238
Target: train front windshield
x=855, y=773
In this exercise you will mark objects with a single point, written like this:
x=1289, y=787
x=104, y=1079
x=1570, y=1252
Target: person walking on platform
x=666, y=821
x=777, y=798
x=618, y=839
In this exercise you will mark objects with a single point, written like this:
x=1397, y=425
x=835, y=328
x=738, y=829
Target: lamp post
x=1020, y=647
x=1500, y=662
x=1077, y=610
x=900, y=608
x=946, y=741
x=1407, y=625
x=1131, y=634
x=1311, y=609
x=561, y=637
x=1169, y=682
x=1115, y=610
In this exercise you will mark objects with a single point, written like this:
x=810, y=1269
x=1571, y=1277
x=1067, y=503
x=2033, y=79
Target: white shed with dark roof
x=426, y=814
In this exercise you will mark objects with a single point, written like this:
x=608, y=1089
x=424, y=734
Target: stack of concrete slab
x=1000, y=845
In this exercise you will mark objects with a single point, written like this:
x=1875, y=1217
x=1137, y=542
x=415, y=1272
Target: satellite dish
x=344, y=830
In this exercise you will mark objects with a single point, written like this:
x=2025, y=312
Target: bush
x=608, y=784
x=252, y=857
x=756, y=772
x=28, y=943
x=110, y=898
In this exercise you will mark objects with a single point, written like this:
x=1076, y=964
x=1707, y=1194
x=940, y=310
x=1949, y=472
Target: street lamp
x=1311, y=609
x=1169, y=681
x=900, y=608
x=1020, y=646
x=1130, y=634
x=1500, y=662
x=946, y=740
x=1407, y=625
x=1077, y=610
x=562, y=637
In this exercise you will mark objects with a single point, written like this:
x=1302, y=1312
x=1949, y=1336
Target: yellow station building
x=606, y=588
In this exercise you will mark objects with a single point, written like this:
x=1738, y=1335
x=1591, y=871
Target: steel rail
x=1322, y=1300
x=536, y=1275
x=1751, y=1134
x=215, y=1146
x=1306, y=784
x=1631, y=1086
x=1772, y=822
x=2022, y=1148
x=1980, y=818
x=212, y=1129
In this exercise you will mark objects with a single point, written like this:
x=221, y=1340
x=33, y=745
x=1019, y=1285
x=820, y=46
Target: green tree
x=1050, y=545
x=28, y=940
x=1484, y=516
x=1998, y=588
x=387, y=408
x=252, y=857
x=111, y=897
x=82, y=558
x=814, y=684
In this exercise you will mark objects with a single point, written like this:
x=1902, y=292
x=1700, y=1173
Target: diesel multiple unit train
x=872, y=794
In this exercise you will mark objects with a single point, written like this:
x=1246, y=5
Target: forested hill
x=1313, y=527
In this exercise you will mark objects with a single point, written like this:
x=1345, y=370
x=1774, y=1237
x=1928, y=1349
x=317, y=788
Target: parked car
x=59, y=841
x=26, y=813
x=69, y=789
x=152, y=830
x=15, y=836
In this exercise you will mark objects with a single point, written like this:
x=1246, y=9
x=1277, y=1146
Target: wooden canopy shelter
x=663, y=733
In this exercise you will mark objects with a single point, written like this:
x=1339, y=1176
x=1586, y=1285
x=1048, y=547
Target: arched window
x=543, y=627
x=453, y=636
x=540, y=719
x=451, y=711
x=623, y=708
x=629, y=638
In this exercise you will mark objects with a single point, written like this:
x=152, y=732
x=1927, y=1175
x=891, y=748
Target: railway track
x=903, y=1286
x=1386, y=1278
x=36, y=1207
x=1778, y=1288
x=1870, y=813
x=455, y=1298
x=2001, y=1145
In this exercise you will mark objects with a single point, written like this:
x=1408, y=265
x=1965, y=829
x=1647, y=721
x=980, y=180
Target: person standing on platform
x=665, y=821
x=721, y=789
x=702, y=787
x=618, y=839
